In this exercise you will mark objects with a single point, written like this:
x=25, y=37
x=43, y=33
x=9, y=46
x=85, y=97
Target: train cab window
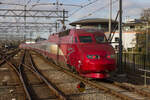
x=85, y=39
x=100, y=39
x=76, y=40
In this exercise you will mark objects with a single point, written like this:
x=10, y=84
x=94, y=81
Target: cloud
x=131, y=8
x=134, y=8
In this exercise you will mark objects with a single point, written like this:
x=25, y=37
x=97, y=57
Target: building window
x=132, y=27
x=117, y=47
x=116, y=39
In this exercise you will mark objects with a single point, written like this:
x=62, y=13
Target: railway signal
x=81, y=87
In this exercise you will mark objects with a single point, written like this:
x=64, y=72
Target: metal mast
x=110, y=15
x=120, y=37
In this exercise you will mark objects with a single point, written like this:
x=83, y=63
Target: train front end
x=97, y=56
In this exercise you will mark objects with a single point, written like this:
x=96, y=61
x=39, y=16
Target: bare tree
x=145, y=15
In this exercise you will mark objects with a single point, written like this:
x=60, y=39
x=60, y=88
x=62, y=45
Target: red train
x=85, y=51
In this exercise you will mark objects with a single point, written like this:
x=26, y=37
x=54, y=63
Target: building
x=128, y=40
x=97, y=23
x=130, y=30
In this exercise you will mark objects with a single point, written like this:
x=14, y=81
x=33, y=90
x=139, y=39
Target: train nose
x=98, y=63
x=93, y=56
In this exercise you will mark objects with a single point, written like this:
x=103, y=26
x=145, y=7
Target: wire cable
x=113, y=32
x=83, y=7
x=101, y=8
x=28, y=2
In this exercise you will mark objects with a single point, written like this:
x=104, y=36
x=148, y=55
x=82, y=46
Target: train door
x=72, y=53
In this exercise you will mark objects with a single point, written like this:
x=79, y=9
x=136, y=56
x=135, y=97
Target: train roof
x=55, y=36
x=86, y=30
x=89, y=30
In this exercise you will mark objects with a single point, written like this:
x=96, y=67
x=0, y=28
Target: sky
x=90, y=8
x=131, y=8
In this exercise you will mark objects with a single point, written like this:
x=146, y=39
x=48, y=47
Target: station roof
x=92, y=21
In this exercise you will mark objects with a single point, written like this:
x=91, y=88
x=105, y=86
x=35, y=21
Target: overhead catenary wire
x=28, y=2
x=23, y=5
x=83, y=7
x=101, y=8
x=38, y=1
x=113, y=32
x=60, y=4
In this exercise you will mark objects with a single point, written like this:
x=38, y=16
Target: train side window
x=85, y=39
x=100, y=39
x=71, y=39
x=76, y=40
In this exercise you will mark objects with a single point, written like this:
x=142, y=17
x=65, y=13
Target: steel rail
x=20, y=69
x=102, y=87
x=58, y=93
x=20, y=75
x=8, y=56
x=99, y=86
x=21, y=79
x=131, y=88
x=19, y=72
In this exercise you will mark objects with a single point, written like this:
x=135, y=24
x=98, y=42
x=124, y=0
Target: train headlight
x=112, y=56
x=79, y=61
x=93, y=56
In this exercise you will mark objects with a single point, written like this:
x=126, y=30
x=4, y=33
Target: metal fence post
x=145, y=79
x=144, y=61
x=125, y=61
x=134, y=62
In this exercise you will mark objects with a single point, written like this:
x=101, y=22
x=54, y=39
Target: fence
x=136, y=64
x=132, y=62
x=136, y=61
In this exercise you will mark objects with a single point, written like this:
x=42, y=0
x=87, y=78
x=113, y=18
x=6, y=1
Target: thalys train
x=85, y=51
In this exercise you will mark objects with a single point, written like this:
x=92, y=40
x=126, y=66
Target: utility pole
x=57, y=4
x=56, y=27
x=25, y=8
x=147, y=41
x=120, y=37
x=110, y=15
x=63, y=21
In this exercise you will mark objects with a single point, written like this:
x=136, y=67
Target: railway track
x=33, y=82
x=7, y=55
x=129, y=90
x=10, y=89
x=35, y=72
x=68, y=84
x=119, y=90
